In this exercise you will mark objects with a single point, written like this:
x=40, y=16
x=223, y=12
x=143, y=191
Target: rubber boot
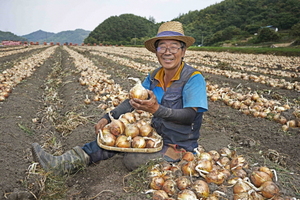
x=67, y=163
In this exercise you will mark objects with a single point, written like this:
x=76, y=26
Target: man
x=177, y=100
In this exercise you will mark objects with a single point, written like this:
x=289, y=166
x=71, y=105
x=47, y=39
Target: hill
x=228, y=21
x=10, y=36
x=76, y=36
x=123, y=29
x=38, y=36
x=240, y=19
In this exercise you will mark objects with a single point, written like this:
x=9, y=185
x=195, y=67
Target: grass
x=25, y=129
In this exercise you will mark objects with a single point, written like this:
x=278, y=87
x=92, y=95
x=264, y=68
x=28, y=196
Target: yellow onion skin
x=138, y=91
x=130, y=117
x=201, y=189
x=269, y=189
x=241, y=187
x=214, y=154
x=138, y=142
x=159, y=195
x=188, y=156
x=170, y=187
x=131, y=130
x=183, y=182
x=188, y=169
x=107, y=139
x=123, y=142
x=215, y=177
x=242, y=196
x=266, y=170
x=186, y=195
x=259, y=177
x=146, y=130
x=157, y=183
x=117, y=127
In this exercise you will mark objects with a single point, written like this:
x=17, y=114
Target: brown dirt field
x=255, y=138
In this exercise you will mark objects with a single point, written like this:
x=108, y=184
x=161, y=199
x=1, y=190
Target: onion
x=268, y=171
x=241, y=187
x=157, y=183
x=239, y=172
x=186, y=195
x=146, y=130
x=138, y=142
x=183, y=182
x=170, y=187
x=116, y=126
x=226, y=152
x=189, y=169
x=130, y=117
x=123, y=141
x=201, y=189
x=138, y=91
x=150, y=144
x=259, y=177
x=269, y=189
x=204, y=166
x=159, y=195
x=107, y=139
x=188, y=156
x=131, y=130
x=215, y=177
x=238, y=162
x=214, y=154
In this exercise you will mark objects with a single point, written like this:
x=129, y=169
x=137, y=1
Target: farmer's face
x=170, y=54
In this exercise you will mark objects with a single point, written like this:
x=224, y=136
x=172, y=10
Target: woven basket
x=138, y=150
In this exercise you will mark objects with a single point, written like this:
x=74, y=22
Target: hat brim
x=149, y=44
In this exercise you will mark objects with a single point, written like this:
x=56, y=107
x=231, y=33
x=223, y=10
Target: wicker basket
x=140, y=150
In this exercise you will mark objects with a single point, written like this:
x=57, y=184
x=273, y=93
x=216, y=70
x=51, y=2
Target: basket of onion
x=131, y=132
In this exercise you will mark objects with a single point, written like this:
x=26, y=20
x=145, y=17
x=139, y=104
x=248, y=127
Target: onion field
x=54, y=95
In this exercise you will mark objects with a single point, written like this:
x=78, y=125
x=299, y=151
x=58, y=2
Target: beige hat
x=169, y=30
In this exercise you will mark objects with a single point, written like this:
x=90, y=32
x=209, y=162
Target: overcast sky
x=22, y=17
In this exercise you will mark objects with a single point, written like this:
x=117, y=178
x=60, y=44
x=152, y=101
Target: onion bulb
x=170, y=187
x=186, y=195
x=183, y=182
x=259, y=177
x=189, y=169
x=138, y=142
x=157, y=183
x=188, y=156
x=215, y=177
x=123, y=141
x=131, y=130
x=269, y=189
x=116, y=126
x=138, y=91
x=146, y=130
x=201, y=189
x=130, y=117
x=107, y=139
x=159, y=195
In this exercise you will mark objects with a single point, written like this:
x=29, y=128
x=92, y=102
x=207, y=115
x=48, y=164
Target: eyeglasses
x=164, y=49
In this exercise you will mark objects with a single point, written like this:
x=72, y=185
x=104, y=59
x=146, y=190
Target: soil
x=23, y=121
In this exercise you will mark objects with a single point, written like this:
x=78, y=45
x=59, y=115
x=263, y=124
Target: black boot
x=67, y=163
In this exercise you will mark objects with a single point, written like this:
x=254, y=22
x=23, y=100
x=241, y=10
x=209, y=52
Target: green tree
x=267, y=35
x=295, y=31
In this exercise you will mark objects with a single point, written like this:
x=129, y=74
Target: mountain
x=10, y=36
x=229, y=21
x=76, y=37
x=38, y=36
x=240, y=19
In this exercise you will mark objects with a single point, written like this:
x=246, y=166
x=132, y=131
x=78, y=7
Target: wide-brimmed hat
x=169, y=30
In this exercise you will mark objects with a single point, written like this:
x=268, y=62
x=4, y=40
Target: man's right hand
x=102, y=122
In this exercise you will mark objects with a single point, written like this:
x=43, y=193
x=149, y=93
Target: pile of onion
x=130, y=130
x=205, y=174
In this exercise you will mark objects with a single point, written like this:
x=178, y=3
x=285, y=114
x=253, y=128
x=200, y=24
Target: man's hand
x=100, y=125
x=151, y=105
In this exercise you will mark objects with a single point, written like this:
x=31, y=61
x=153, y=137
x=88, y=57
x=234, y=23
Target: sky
x=22, y=17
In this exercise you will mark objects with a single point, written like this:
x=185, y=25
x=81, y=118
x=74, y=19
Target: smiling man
x=177, y=100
